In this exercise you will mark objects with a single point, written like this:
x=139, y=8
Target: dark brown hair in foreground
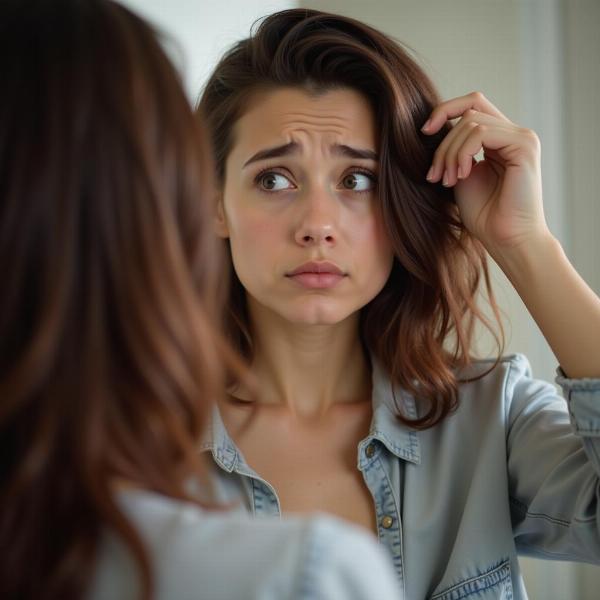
x=109, y=270
x=420, y=327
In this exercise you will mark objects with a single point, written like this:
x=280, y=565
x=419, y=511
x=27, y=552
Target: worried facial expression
x=299, y=205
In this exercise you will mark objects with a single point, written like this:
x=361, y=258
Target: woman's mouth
x=317, y=275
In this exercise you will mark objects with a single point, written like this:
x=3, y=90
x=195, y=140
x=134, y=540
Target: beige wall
x=582, y=38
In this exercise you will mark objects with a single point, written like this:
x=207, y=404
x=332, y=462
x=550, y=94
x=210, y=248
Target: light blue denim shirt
x=200, y=555
x=515, y=470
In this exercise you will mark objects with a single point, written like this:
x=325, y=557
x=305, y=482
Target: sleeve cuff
x=583, y=398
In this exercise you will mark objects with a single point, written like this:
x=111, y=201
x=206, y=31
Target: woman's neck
x=307, y=369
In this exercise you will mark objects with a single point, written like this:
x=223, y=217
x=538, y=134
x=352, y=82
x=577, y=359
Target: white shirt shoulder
x=208, y=555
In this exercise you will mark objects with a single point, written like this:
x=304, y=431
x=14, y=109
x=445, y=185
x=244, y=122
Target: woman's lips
x=317, y=280
x=317, y=275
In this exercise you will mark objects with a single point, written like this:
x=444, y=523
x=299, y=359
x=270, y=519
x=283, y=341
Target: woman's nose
x=318, y=220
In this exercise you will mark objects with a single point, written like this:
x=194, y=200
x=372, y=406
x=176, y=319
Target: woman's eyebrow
x=275, y=152
x=350, y=152
x=294, y=147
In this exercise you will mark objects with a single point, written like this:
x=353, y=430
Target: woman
x=358, y=224
x=108, y=351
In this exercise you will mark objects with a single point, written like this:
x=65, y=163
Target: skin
x=322, y=206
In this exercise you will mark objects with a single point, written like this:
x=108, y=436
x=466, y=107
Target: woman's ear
x=221, y=228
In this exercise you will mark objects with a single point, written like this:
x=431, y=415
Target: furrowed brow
x=275, y=152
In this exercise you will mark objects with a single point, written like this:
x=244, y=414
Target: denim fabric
x=199, y=555
x=513, y=471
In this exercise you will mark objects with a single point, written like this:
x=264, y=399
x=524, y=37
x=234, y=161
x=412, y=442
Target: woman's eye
x=274, y=182
x=358, y=182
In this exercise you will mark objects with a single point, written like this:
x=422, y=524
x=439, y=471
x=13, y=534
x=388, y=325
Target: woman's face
x=299, y=205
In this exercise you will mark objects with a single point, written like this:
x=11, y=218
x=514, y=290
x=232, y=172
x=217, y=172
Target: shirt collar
x=388, y=400
x=217, y=440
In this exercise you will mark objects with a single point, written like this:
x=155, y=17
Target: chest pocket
x=493, y=584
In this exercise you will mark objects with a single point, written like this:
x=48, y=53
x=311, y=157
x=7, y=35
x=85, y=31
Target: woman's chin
x=312, y=311
x=316, y=315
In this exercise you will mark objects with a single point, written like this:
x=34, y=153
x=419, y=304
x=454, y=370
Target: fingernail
x=445, y=179
x=429, y=175
x=460, y=173
x=427, y=124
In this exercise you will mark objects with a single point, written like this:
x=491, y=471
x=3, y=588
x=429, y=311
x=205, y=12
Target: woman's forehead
x=342, y=116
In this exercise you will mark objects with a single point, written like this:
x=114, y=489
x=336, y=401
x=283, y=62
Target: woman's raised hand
x=500, y=203
x=499, y=197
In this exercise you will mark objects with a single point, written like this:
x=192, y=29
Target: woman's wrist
x=533, y=258
x=565, y=308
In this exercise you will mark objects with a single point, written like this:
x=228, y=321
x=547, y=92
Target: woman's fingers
x=456, y=107
x=511, y=143
x=460, y=155
x=481, y=126
x=445, y=165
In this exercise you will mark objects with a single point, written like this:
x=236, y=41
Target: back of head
x=109, y=276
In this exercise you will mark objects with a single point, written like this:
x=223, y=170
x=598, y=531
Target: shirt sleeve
x=344, y=561
x=553, y=446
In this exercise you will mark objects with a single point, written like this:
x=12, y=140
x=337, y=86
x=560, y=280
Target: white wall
x=203, y=29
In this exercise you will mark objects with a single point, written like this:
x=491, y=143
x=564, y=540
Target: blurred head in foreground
x=110, y=286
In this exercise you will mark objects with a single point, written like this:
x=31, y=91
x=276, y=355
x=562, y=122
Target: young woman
x=108, y=352
x=358, y=225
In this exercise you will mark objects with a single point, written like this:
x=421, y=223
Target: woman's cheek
x=253, y=243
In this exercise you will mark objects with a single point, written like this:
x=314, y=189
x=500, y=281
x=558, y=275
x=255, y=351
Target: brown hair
x=420, y=326
x=108, y=352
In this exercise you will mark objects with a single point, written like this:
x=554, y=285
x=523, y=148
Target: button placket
x=387, y=515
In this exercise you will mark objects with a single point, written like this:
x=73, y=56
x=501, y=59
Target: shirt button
x=370, y=450
x=387, y=521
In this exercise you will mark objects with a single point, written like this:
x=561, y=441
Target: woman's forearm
x=565, y=308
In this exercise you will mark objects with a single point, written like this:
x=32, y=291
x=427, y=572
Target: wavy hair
x=111, y=287
x=420, y=327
